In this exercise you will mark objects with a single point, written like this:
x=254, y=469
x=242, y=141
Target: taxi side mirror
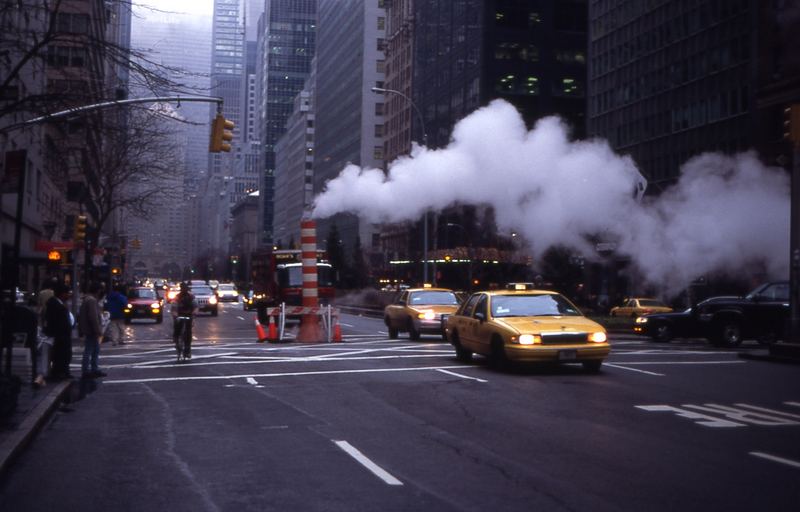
x=481, y=317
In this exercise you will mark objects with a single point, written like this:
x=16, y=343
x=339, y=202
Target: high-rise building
x=181, y=46
x=287, y=35
x=462, y=56
x=294, y=170
x=671, y=79
x=532, y=54
x=349, y=116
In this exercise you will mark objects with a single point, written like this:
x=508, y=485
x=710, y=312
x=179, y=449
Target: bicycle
x=183, y=337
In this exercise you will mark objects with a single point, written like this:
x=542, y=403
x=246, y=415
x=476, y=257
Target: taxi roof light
x=520, y=286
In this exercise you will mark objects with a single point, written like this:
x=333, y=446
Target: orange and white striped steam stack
x=310, y=330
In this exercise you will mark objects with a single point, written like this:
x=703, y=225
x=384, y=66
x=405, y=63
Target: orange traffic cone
x=337, y=332
x=272, y=333
x=262, y=336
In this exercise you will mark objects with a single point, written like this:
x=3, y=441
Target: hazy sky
x=186, y=6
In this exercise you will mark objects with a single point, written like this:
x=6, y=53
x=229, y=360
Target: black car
x=763, y=314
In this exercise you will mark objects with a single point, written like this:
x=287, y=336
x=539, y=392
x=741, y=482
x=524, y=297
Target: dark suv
x=763, y=314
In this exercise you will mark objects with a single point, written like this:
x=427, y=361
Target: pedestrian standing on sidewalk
x=58, y=325
x=115, y=305
x=45, y=343
x=90, y=327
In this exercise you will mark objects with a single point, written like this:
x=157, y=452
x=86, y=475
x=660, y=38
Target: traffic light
x=221, y=134
x=791, y=123
x=80, y=228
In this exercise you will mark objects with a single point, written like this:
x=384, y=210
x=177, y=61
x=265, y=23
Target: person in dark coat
x=58, y=322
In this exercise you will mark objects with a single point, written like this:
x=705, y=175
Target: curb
x=30, y=426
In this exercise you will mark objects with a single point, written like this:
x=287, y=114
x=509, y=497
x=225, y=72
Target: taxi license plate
x=567, y=355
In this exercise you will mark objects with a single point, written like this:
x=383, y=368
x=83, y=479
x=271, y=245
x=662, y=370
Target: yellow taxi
x=419, y=311
x=637, y=307
x=526, y=325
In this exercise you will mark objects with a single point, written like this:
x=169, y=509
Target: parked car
x=143, y=303
x=763, y=315
x=526, y=325
x=206, y=299
x=636, y=307
x=419, y=310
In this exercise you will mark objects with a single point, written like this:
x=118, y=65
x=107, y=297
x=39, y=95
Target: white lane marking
x=287, y=374
x=773, y=458
x=364, y=461
x=633, y=369
x=251, y=380
x=793, y=404
x=460, y=375
x=240, y=317
x=346, y=325
x=151, y=365
x=768, y=411
x=644, y=363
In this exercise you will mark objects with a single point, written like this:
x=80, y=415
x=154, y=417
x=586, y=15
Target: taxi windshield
x=433, y=298
x=650, y=303
x=142, y=293
x=532, y=305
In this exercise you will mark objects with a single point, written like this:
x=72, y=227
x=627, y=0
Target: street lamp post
x=424, y=143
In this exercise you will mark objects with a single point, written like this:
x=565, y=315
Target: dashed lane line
x=773, y=458
x=634, y=369
x=364, y=461
x=448, y=372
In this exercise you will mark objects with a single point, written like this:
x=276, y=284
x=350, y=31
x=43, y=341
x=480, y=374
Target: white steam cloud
x=726, y=213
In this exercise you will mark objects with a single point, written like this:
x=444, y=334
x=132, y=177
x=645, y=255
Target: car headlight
x=598, y=337
x=641, y=320
x=155, y=305
x=427, y=315
x=212, y=300
x=529, y=339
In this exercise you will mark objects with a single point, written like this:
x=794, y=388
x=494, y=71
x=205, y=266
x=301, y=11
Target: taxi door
x=464, y=322
x=396, y=312
x=480, y=328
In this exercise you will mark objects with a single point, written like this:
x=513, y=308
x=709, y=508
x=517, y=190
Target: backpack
x=185, y=304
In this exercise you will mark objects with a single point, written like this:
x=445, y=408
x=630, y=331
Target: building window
x=381, y=46
x=377, y=152
x=66, y=56
x=381, y=23
x=380, y=66
x=379, y=130
x=379, y=109
x=69, y=23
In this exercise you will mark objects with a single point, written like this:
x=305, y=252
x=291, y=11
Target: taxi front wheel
x=413, y=333
x=497, y=356
x=462, y=354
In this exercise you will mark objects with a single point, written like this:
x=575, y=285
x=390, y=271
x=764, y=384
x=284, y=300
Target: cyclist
x=185, y=305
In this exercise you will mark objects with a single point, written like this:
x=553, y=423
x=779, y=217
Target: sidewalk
x=34, y=406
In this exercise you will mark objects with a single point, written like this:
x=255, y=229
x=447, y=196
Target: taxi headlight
x=235, y=294
x=598, y=337
x=427, y=315
x=641, y=320
x=212, y=300
x=155, y=305
x=128, y=306
x=529, y=339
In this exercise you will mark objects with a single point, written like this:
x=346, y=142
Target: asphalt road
x=397, y=425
